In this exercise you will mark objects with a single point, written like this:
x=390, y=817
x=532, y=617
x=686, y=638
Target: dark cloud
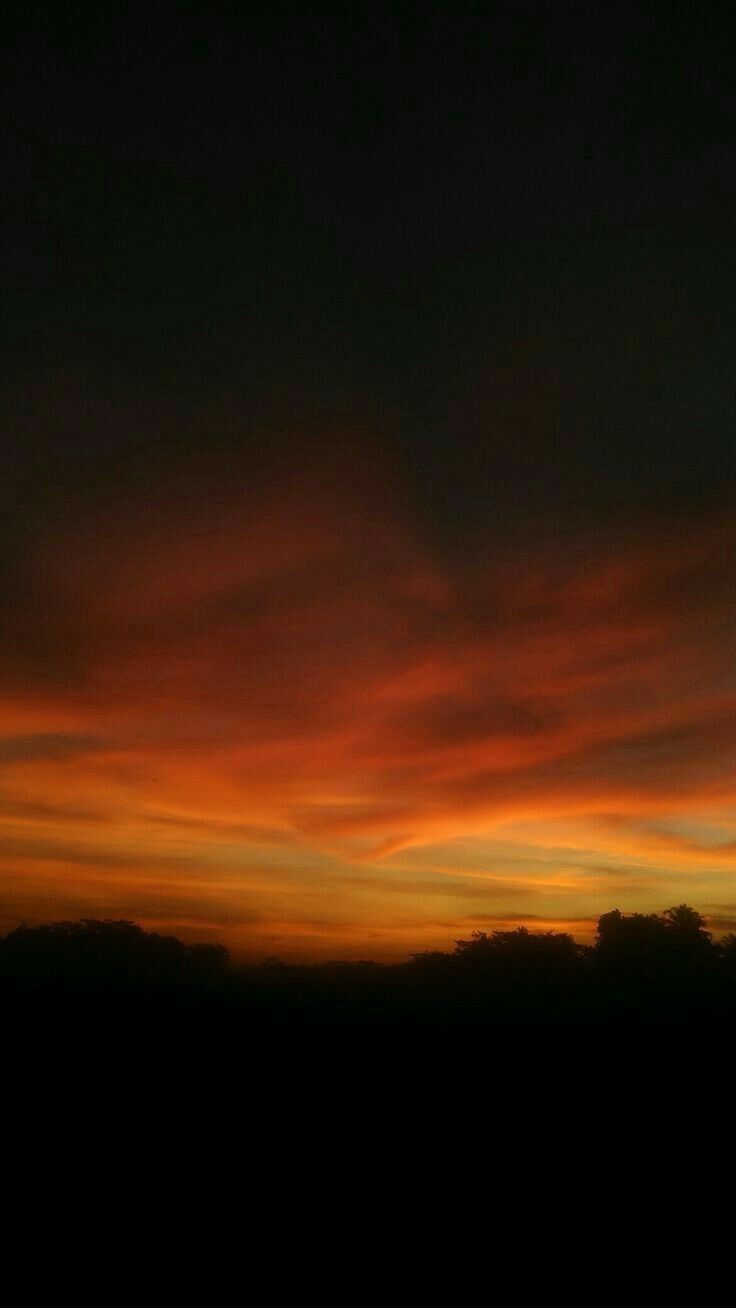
x=47, y=745
x=451, y=887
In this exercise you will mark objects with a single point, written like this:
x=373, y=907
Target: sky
x=367, y=533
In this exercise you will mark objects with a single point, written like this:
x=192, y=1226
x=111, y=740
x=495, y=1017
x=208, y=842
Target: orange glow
x=296, y=730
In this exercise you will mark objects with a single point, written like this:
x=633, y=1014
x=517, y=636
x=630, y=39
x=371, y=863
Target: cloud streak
x=298, y=671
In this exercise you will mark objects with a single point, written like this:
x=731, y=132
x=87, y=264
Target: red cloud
x=297, y=661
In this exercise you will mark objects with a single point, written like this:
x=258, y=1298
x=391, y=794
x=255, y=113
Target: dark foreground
x=513, y=1041
x=99, y=985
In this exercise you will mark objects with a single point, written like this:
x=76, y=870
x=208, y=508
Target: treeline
x=642, y=967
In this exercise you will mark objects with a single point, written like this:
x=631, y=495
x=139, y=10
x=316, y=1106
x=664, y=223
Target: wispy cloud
x=302, y=674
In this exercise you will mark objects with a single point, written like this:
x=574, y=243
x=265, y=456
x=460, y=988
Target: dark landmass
x=642, y=969
x=526, y=1040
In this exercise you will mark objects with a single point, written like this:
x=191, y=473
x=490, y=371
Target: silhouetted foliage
x=521, y=949
x=642, y=967
x=652, y=942
x=110, y=954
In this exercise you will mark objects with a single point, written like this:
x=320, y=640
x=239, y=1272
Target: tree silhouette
x=105, y=953
x=519, y=948
x=652, y=942
x=685, y=919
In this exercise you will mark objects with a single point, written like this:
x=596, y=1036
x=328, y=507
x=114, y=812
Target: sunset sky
x=368, y=535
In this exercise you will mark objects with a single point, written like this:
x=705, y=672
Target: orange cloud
x=293, y=682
